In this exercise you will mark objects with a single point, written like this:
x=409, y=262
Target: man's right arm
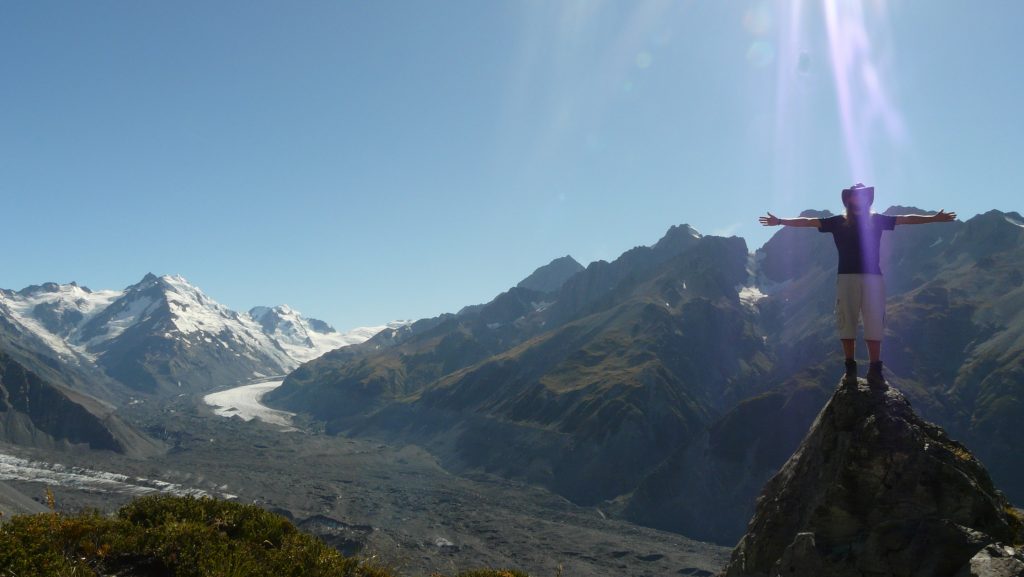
x=772, y=220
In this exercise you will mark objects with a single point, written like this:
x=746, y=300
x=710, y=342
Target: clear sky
x=365, y=161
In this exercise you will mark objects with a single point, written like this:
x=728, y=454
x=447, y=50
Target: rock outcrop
x=35, y=412
x=874, y=490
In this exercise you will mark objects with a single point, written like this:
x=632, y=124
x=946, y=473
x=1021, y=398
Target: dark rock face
x=320, y=326
x=39, y=413
x=550, y=277
x=707, y=487
x=875, y=490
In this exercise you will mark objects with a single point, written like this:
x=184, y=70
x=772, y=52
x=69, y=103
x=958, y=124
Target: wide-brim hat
x=858, y=188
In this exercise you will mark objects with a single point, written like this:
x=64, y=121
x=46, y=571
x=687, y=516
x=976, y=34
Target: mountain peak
x=897, y=209
x=811, y=213
x=1000, y=217
x=874, y=489
x=268, y=317
x=678, y=234
x=551, y=277
x=52, y=287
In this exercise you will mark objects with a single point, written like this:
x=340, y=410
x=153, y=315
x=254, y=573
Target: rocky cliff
x=35, y=412
x=875, y=490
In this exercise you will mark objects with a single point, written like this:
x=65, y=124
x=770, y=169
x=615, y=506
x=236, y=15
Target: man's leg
x=847, y=310
x=874, y=326
x=849, y=348
x=874, y=350
x=850, y=374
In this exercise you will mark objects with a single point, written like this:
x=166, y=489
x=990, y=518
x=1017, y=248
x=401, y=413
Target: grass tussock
x=1016, y=517
x=176, y=537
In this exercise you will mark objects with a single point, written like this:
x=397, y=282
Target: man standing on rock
x=860, y=288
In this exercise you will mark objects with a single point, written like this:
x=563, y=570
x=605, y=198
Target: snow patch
x=541, y=306
x=749, y=295
x=298, y=337
x=1014, y=221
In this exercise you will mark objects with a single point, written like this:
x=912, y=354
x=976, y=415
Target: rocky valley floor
x=393, y=503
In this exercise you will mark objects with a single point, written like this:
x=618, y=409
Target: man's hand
x=943, y=216
x=770, y=220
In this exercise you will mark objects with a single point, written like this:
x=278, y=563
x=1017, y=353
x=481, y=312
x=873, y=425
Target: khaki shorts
x=857, y=295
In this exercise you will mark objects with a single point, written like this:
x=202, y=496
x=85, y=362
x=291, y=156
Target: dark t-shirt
x=858, y=241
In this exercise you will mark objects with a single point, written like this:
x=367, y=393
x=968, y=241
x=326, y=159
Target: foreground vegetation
x=169, y=536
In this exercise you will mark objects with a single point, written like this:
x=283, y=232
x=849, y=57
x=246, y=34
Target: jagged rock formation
x=874, y=490
x=584, y=391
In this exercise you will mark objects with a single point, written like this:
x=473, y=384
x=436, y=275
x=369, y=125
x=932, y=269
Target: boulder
x=874, y=490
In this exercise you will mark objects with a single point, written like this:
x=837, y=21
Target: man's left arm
x=941, y=216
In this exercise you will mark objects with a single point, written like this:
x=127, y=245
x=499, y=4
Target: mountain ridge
x=163, y=333
x=715, y=325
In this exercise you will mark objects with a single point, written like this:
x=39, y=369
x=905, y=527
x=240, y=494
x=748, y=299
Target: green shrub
x=165, y=536
x=171, y=536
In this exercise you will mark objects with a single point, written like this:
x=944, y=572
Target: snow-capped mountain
x=164, y=333
x=53, y=313
x=305, y=339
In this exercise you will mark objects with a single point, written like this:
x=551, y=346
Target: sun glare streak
x=841, y=46
x=833, y=69
x=861, y=94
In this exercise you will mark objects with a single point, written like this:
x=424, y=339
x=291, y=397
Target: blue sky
x=364, y=161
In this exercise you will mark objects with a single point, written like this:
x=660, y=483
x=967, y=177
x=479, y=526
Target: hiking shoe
x=850, y=377
x=875, y=378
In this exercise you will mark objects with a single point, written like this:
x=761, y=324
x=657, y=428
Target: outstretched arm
x=772, y=220
x=941, y=216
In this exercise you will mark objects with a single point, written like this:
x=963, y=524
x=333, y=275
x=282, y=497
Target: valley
x=374, y=499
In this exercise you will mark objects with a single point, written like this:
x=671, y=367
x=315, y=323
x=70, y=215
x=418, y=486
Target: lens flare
x=761, y=53
x=863, y=102
x=840, y=48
